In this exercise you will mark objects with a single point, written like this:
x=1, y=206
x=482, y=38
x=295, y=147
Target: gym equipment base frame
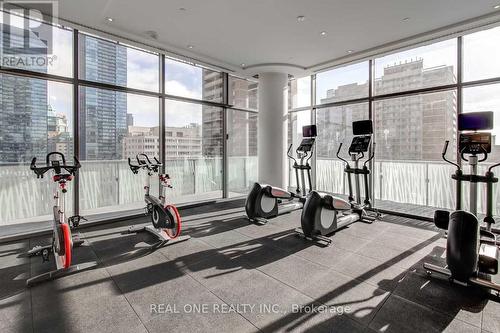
x=164, y=239
x=474, y=280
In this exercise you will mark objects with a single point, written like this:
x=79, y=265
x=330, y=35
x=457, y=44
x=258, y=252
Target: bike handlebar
x=50, y=165
x=144, y=163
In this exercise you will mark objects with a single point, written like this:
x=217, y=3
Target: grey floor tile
x=399, y=315
x=456, y=301
x=15, y=313
x=491, y=317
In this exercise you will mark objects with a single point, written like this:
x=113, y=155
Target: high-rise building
x=23, y=106
x=103, y=113
x=406, y=128
x=212, y=116
x=180, y=142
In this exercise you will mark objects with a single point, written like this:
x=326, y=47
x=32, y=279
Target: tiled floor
x=372, y=272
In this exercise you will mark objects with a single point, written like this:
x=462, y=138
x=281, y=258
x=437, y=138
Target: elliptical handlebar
x=290, y=156
x=50, y=165
x=443, y=155
x=339, y=157
x=371, y=156
x=310, y=155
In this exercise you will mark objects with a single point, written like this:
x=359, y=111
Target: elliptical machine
x=472, y=251
x=165, y=217
x=265, y=201
x=324, y=213
x=62, y=241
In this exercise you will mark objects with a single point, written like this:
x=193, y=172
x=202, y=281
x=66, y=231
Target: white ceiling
x=256, y=32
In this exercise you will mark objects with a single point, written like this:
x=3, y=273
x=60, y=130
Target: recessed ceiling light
x=190, y=46
x=496, y=7
x=301, y=18
x=323, y=33
x=109, y=19
x=406, y=19
x=350, y=51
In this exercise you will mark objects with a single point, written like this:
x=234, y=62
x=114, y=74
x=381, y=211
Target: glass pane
x=31, y=45
x=107, y=62
x=190, y=81
x=243, y=93
x=422, y=67
x=476, y=99
x=35, y=118
x=115, y=126
x=481, y=55
x=341, y=84
x=193, y=145
x=335, y=126
x=296, y=120
x=410, y=133
x=299, y=92
x=242, y=151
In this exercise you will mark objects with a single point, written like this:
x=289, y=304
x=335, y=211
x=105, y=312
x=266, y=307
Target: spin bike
x=324, y=213
x=62, y=242
x=165, y=218
x=265, y=201
x=472, y=252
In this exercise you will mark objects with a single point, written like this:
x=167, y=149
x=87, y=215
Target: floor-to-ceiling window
x=242, y=129
x=105, y=102
x=413, y=96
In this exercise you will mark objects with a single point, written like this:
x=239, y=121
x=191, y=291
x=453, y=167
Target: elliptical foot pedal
x=318, y=239
x=259, y=221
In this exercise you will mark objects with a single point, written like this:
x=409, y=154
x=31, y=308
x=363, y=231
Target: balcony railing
x=426, y=183
x=109, y=185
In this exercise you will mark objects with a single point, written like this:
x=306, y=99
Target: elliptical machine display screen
x=475, y=121
x=309, y=131
x=360, y=144
x=474, y=143
x=362, y=127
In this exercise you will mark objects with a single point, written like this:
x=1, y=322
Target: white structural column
x=272, y=129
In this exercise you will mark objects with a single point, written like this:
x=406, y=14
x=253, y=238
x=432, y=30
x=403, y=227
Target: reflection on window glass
x=299, y=92
x=481, y=55
x=410, y=133
x=35, y=118
x=296, y=120
x=242, y=151
x=31, y=45
x=114, y=126
x=107, y=62
x=185, y=80
x=422, y=67
x=243, y=93
x=341, y=84
x=193, y=146
x=335, y=127
x=486, y=98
